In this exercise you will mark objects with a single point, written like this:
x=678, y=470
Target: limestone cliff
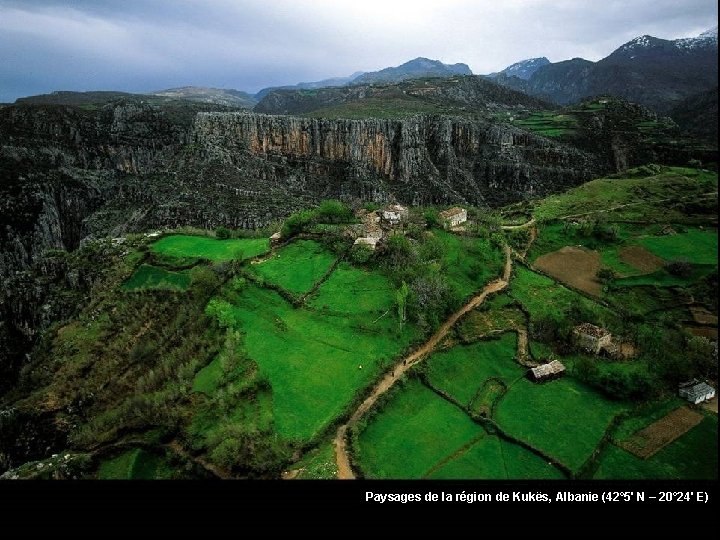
x=418, y=160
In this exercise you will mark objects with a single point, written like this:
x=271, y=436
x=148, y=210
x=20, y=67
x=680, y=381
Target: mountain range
x=655, y=72
x=658, y=73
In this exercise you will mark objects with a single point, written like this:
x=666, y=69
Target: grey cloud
x=142, y=45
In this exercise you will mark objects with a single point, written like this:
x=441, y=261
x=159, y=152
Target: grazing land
x=296, y=267
x=181, y=245
x=415, y=431
x=151, y=277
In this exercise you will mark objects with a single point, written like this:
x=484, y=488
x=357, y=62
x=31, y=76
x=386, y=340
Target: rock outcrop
x=418, y=160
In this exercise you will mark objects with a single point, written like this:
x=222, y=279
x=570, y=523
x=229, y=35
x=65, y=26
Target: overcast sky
x=145, y=45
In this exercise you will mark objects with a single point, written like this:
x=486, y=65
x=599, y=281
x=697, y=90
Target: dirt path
x=521, y=226
x=341, y=455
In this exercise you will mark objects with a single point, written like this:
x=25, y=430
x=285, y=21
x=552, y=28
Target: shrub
x=431, y=218
x=222, y=233
x=360, y=254
x=332, y=211
x=297, y=223
x=605, y=275
x=680, y=268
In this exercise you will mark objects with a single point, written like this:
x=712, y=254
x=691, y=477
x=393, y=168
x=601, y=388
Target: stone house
x=453, y=217
x=394, y=214
x=592, y=338
x=546, y=372
x=695, y=391
x=367, y=241
x=275, y=238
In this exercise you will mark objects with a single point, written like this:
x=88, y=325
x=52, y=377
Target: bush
x=605, y=275
x=371, y=206
x=222, y=233
x=297, y=223
x=431, y=218
x=680, y=268
x=360, y=254
x=332, y=211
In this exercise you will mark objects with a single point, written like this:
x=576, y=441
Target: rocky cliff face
x=68, y=174
x=419, y=160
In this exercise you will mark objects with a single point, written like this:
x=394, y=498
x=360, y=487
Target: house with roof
x=546, y=372
x=695, y=391
x=276, y=238
x=453, y=217
x=592, y=338
x=394, y=214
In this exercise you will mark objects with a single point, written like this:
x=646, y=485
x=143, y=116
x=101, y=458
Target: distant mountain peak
x=412, y=69
x=643, y=41
x=524, y=69
x=709, y=34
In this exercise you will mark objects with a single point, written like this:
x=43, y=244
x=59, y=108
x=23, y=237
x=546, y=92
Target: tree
x=605, y=275
x=680, y=268
x=401, y=297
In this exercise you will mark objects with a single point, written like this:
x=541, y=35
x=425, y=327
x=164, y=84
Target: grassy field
x=379, y=108
x=492, y=458
x=351, y=290
x=548, y=124
x=542, y=296
x=180, y=245
x=136, y=464
x=695, y=246
x=296, y=267
x=646, y=415
x=462, y=370
x=469, y=263
x=652, y=198
x=316, y=363
x=151, y=277
x=663, y=278
x=412, y=433
x=563, y=418
x=208, y=378
x=692, y=456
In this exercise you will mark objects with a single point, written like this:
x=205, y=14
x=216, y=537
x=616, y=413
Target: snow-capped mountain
x=658, y=73
x=523, y=69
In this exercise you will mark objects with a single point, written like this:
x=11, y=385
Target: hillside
x=190, y=356
x=654, y=72
x=219, y=96
x=454, y=95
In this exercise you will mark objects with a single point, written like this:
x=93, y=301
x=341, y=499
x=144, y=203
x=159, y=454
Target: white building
x=394, y=214
x=696, y=392
x=368, y=241
x=453, y=217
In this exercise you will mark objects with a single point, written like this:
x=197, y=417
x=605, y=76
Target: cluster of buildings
x=376, y=224
x=596, y=340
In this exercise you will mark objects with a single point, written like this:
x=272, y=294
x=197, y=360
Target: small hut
x=394, y=214
x=592, y=338
x=695, y=391
x=546, y=372
x=453, y=217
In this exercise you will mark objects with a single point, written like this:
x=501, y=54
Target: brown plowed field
x=640, y=258
x=574, y=266
x=648, y=441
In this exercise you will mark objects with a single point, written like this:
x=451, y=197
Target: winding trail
x=345, y=471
